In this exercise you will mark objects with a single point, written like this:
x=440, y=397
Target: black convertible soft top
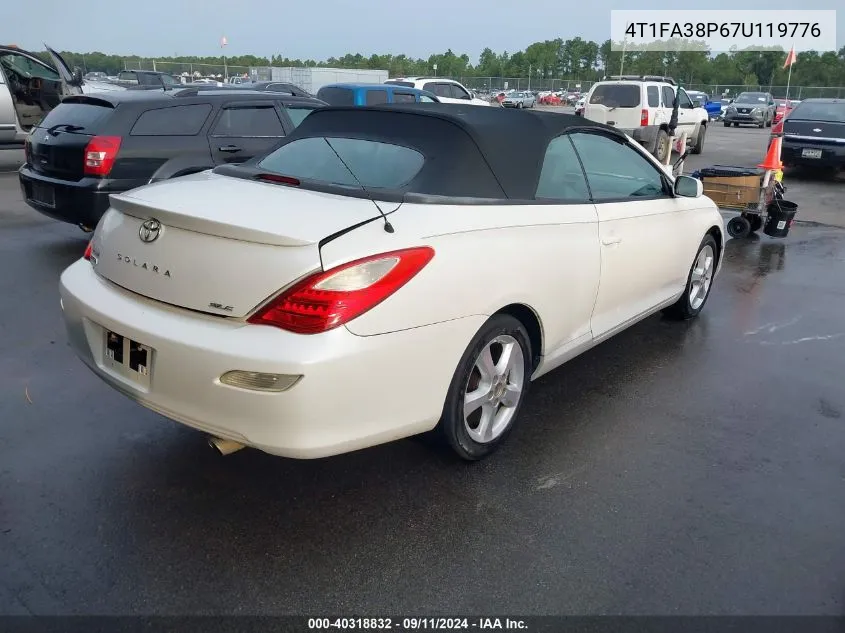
x=470, y=151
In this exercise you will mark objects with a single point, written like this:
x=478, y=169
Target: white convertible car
x=385, y=272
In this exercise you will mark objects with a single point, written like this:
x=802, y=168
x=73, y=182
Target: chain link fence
x=536, y=84
x=180, y=69
x=779, y=92
x=496, y=84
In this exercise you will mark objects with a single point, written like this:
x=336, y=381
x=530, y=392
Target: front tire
x=699, y=282
x=488, y=388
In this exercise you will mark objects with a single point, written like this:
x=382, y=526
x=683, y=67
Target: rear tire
x=662, y=148
x=699, y=282
x=489, y=384
x=699, y=140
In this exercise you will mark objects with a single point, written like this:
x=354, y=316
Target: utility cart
x=755, y=194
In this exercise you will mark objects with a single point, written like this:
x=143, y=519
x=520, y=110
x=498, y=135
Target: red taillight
x=284, y=180
x=100, y=154
x=329, y=299
x=644, y=117
x=88, y=250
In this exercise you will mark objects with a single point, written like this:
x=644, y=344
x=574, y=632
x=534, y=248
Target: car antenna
x=388, y=227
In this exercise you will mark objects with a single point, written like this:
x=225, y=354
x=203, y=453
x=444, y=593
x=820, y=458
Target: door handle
x=229, y=148
x=610, y=241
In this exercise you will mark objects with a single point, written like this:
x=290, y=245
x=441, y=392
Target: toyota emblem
x=150, y=230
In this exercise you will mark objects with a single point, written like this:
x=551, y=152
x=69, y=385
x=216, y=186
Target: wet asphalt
x=694, y=468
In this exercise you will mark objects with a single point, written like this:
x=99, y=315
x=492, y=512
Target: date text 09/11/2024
x=724, y=29
x=416, y=624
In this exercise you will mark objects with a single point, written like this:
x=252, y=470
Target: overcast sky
x=318, y=29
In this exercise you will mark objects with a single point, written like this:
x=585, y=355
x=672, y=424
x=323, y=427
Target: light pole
x=530, y=68
x=435, y=69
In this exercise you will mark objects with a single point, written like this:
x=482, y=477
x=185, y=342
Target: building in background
x=312, y=79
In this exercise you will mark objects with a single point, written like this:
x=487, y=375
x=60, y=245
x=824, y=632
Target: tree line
x=551, y=59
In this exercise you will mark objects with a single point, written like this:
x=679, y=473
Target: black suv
x=93, y=145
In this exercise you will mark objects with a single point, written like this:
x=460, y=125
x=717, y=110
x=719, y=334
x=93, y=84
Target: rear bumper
x=355, y=391
x=76, y=202
x=831, y=156
x=645, y=135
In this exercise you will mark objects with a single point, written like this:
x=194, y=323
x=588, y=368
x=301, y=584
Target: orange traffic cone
x=772, y=161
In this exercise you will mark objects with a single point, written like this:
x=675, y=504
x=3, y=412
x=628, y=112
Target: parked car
x=754, y=108
x=703, y=100
x=447, y=90
x=814, y=134
x=782, y=108
x=282, y=87
x=519, y=100
x=350, y=94
x=642, y=107
x=92, y=146
x=261, y=326
x=147, y=79
x=580, y=105
x=30, y=88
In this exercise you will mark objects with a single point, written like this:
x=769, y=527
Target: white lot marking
x=768, y=328
x=806, y=339
x=547, y=482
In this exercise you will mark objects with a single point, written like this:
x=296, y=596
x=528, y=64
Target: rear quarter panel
x=543, y=256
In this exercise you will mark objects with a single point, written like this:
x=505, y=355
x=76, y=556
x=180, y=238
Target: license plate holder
x=44, y=195
x=128, y=358
x=811, y=153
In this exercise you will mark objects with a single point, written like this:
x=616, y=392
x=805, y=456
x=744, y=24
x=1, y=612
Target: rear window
x=186, y=120
x=833, y=112
x=297, y=114
x=336, y=96
x=653, y=96
x=616, y=95
x=407, y=84
x=375, y=97
x=376, y=165
x=84, y=115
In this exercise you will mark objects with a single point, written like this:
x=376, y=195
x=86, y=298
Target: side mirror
x=77, y=77
x=688, y=187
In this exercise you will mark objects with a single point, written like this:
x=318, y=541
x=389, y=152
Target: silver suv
x=751, y=108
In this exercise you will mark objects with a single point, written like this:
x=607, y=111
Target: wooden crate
x=732, y=191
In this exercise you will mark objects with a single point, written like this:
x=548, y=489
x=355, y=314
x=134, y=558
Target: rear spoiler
x=88, y=99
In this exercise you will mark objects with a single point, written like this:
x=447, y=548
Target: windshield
x=819, y=111
x=348, y=162
x=616, y=95
x=751, y=97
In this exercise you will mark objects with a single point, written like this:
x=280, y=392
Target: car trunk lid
x=822, y=132
x=57, y=145
x=218, y=244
